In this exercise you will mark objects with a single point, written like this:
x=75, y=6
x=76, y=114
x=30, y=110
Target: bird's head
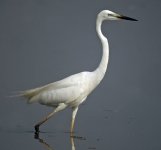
x=109, y=15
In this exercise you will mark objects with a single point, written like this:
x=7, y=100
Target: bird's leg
x=44, y=120
x=72, y=143
x=75, y=109
x=60, y=107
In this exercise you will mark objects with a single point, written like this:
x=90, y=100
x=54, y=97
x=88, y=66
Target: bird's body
x=73, y=90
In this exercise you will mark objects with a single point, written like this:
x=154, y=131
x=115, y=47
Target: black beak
x=126, y=18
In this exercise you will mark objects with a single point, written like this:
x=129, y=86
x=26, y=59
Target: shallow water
x=129, y=127
x=16, y=139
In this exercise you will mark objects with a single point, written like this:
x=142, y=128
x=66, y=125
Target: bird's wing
x=62, y=87
x=54, y=97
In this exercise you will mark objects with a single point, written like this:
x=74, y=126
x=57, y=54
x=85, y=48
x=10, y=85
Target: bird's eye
x=110, y=15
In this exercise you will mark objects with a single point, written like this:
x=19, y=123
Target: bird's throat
x=101, y=69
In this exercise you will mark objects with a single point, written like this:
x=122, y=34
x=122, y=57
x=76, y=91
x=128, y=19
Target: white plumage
x=69, y=91
x=73, y=90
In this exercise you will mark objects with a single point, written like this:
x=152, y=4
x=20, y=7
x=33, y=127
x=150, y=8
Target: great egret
x=73, y=90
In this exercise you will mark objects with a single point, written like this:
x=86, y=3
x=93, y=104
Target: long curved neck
x=101, y=69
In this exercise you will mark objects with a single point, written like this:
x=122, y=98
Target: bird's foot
x=36, y=136
x=37, y=131
x=37, y=128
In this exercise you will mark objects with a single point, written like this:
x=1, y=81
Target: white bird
x=73, y=90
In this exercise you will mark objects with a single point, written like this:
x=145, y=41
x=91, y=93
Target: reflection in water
x=48, y=147
x=62, y=140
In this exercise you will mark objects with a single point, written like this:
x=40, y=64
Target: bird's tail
x=30, y=94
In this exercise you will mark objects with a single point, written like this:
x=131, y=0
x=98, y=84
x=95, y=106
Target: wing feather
x=62, y=88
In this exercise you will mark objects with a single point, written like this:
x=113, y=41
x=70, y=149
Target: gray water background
x=44, y=41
